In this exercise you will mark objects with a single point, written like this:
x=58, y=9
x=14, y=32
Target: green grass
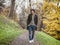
x=45, y=39
x=9, y=30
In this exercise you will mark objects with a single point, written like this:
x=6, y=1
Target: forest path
x=24, y=40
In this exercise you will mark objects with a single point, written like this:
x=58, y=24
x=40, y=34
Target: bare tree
x=30, y=3
x=11, y=14
x=1, y=5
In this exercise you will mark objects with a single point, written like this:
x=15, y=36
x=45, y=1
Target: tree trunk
x=30, y=4
x=1, y=5
x=11, y=15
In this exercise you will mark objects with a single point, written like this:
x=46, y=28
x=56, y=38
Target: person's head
x=32, y=11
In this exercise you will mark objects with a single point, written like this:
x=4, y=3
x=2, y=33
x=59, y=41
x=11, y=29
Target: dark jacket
x=30, y=18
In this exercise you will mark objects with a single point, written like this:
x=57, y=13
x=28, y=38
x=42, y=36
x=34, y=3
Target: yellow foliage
x=51, y=19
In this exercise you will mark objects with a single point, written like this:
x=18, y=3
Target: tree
x=30, y=3
x=51, y=19
x=1, y=5
x=11, y=15
x=22, y=16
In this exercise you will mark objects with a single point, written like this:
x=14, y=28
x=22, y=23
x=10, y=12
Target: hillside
x=46, y=39
x=9, y=30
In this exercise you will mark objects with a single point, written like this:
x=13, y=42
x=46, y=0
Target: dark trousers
x=31, y=29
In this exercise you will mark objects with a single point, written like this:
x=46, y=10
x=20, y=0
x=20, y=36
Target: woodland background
x=48, y=12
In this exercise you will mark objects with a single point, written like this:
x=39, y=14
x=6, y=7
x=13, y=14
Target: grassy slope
x=8, y=30
x=46, y=39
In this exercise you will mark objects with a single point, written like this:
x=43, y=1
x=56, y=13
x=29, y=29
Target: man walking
x=32, y=25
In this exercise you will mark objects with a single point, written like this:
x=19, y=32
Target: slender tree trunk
x=11, y=15
x=22, y=21
x=30, y=4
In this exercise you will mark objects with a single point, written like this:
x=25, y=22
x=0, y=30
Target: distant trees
x=1, y=5
x=11, y=14
x=53, y=1
x=22, y=21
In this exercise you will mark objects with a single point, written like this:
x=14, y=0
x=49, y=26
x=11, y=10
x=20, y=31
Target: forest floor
x=24, y=40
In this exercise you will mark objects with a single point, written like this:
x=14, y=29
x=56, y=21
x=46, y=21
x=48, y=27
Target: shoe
x=31, y=41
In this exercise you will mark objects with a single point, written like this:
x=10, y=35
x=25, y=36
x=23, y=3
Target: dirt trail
x=24, y=40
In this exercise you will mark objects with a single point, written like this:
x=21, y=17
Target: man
x=32, y=24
